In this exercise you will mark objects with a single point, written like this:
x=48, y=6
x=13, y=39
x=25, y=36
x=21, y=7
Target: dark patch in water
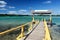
x=58, y=25
x=57, y=29
x=6, y=27
x=53, y=23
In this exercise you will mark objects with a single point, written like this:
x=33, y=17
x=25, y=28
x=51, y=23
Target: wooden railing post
x=50, y=18
x=22, y=31
x=22, y=34
x=30, y=28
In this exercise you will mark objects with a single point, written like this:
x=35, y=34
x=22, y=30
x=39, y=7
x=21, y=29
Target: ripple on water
x=55, y=32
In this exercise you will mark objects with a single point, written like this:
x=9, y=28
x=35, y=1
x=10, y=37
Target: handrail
x=47, y=33
x=22, y=31
x=12, y=29
x=19, y=27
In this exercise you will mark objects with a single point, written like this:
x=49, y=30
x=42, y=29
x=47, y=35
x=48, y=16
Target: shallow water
x=55, y=29
x=13, y=21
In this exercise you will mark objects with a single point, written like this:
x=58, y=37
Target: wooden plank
x=38, y=32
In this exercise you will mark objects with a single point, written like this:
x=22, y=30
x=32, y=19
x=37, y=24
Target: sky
x=25, y=6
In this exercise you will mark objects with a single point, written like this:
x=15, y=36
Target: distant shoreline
x=23, y=15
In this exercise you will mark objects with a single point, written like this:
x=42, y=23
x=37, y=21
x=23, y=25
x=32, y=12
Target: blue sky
x=24, y=6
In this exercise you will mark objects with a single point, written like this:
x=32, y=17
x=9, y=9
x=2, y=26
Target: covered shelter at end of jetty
x=46, y=12
x=41, y=11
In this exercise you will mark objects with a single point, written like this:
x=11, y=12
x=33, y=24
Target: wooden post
x=33, y=18
x=22, y=32
x=50, y=20
x=30, y=28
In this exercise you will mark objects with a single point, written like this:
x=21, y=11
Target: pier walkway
x=37, y=33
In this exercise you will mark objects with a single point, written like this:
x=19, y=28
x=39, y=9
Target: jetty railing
x=12, y=29
x=47, y=32
x=21, y=35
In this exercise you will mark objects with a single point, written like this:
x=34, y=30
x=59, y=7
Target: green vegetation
x=12, y=15
x=25, y=15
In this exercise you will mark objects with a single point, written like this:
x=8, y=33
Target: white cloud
x=12, y=12
x=47, y=2
x=2, y=3
x=22, y=10
x=3, y=9
x=11, y=7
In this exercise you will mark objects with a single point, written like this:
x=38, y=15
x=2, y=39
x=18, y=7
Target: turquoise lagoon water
x=13, y=21
x=55, y=29
x=8, y=22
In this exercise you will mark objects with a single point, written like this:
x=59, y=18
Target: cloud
x=22, y=10
x=11, y=7
x=3, y=9
x=12, y=12
x=2, y=3
x=47, y=2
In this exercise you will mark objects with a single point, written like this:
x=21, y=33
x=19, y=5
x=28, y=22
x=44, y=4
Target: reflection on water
x=55, y=32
